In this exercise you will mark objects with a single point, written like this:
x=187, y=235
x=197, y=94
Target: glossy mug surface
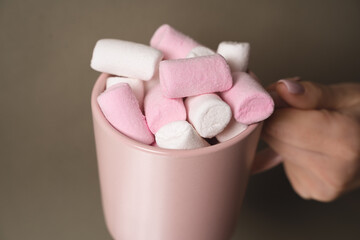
x=149, y=193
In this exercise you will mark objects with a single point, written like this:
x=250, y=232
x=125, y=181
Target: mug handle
x=265, y=160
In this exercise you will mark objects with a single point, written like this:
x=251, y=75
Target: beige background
x=48, y=174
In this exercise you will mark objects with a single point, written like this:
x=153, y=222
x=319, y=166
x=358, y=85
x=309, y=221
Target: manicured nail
x=293, y=87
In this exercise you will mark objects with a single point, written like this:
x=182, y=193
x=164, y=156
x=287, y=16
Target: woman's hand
x=317, y=135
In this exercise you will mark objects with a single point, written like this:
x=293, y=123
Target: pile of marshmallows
x=178, y=90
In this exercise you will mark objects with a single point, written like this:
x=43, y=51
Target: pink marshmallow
x=160, y=110
x=249, y=101
x=172, y=43
x=121, y=109
x=194, y=76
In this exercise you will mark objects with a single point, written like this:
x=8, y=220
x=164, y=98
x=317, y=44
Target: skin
x=316, y=133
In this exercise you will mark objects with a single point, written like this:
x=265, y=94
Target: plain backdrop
x=49, y=186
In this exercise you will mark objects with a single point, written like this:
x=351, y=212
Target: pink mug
x=149, y=193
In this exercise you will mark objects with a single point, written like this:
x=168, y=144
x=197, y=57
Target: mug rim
x=98, y=116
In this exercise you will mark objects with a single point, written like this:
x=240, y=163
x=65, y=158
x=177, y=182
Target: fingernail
x=293, y=87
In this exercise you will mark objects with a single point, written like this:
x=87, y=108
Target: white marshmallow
x=208, y=114
x=236, y=55
x=200, y=51
x=136, y=85
x=179, y=135
x=127, y=59
x=233, y=129
x=151, y=83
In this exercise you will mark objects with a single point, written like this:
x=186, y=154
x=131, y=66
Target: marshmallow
x=200, y=51
x=136, y=85
x=233, y=129
x=179, y=135
x=121, y=108
x=236, y=55
x=171, y=42
x=151, y=83
x=160, y=110
x=194, y=76
x=125, y=58
x=249, y=101
x=208, y=114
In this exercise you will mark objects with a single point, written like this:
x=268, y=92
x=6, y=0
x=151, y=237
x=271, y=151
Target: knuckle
x=329, y=197
x=300, y=191
x=329, y=185
x=335, y=188
x=298, y=188
x=331, y=191
x=326, y=192
x=350, y=154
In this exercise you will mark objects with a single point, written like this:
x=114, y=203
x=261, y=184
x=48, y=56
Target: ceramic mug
x=149, y=193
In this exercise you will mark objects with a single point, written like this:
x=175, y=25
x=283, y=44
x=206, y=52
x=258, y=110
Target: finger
x=296, y=179
x=316, y=162
x=294, y=154
x=308, y=129
x=279, y=102
x=272, y=87
x=346, y=95
x=304, y=171
x=352, y=111
x=301, y=168
x=309, y=95
x=326, y=171
x=327, y=177
x=308, y=185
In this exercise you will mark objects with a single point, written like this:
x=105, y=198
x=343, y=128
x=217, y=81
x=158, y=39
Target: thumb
x=310, y=95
